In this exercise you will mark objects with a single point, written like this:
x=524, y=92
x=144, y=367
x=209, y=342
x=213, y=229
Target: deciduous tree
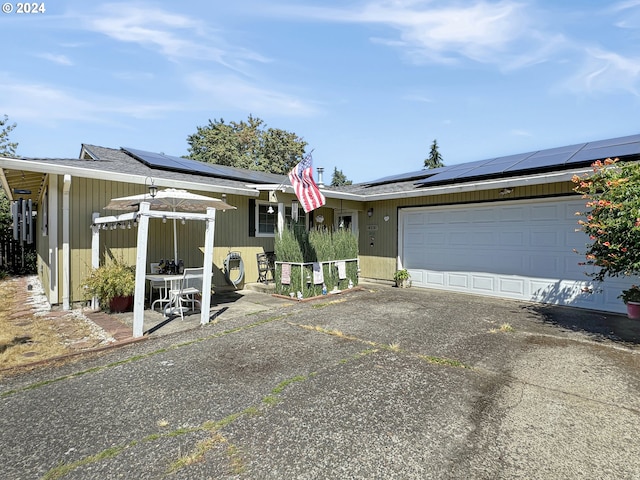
x=249, y=145
x=612, y=217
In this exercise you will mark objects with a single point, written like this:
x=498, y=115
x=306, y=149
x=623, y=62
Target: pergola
x=142, y=217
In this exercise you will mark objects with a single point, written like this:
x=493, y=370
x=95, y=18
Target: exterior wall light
x=370, y=212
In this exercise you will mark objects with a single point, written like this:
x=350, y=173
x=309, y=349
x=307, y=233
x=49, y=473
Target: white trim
x=54, y=266
x=66, y=253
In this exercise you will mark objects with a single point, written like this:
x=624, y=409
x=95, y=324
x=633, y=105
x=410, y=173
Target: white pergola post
x=95, y=252
x=210, y=228
x=141, y=269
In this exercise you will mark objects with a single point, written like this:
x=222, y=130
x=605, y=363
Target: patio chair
x=265, y=267
x=189, y=292
x=158, y=286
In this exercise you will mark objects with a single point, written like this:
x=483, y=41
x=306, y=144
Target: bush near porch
x=315, y=246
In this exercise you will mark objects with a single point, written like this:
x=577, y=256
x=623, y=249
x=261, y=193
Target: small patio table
x=171, y=282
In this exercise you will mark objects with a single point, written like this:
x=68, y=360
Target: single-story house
x=504, y=227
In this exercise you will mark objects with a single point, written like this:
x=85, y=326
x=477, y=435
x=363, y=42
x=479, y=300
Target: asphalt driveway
x=382, y=383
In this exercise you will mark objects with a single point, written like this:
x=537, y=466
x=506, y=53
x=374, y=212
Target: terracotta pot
x=633, y=310
x=121, y=304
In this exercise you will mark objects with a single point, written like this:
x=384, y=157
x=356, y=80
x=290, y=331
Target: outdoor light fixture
x=184, y=220
x=319, y=218
x=153, y=190
x=386, y=218
x=164, y=219
x=270, y=209
x=370, y=212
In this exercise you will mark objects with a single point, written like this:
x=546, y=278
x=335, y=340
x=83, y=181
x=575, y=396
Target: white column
x=205, y=305
x=54, y=261
x=66, y=254
x=95, y=252
x=141, y=269
x=281, y=217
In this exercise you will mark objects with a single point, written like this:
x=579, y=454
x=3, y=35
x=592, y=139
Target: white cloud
x=47, y=105
x=176, y=36
x=59, y=59
x=442, y=32
x=606, y=71
x=231, y=91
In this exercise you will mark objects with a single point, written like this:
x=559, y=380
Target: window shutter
x=252, y=217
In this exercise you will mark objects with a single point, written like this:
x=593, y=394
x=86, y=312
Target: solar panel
x=543, y=160
x=187, y=165
x=402, y=177
x=593, y=154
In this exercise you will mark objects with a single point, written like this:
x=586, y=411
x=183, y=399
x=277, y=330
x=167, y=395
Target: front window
x=267, y=219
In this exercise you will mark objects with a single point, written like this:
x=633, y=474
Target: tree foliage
x=249, y=145
x=338, y=179
x=435, y=159
x=612, y=218
x=7, y=148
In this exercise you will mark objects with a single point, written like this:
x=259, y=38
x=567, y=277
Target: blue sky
x=368, y=84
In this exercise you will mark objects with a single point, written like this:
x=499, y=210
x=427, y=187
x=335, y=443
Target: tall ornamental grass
x=315, y=246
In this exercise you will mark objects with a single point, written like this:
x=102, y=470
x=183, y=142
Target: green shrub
x=115, y=279
x=316, y=246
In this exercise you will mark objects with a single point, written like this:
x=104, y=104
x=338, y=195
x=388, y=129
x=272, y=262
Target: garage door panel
x=512, y=286
x=545, y=239
x=512, y=214
x=544, y=212
x=517, y=249
x=511, y=239
x=458, y=280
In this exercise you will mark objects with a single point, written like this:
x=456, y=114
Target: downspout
x=66, y=257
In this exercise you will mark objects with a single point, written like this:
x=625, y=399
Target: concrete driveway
x=382, y=383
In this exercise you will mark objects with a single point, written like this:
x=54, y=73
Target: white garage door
x=522, y=250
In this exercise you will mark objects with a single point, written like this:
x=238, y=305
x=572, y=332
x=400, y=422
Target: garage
x=522, y=250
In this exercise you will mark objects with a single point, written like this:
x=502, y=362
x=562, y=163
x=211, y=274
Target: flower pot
x=120, y=304
x=404, y=283
x=633, y=310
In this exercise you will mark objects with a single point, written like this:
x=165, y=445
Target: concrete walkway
x=381, y=383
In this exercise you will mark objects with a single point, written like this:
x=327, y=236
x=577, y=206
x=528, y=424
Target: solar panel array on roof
x=543, y=160
x=186, y=165
x=405, y=177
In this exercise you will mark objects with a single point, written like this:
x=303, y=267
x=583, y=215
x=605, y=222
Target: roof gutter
x=325, y=192
x=31, y=165
x=499, y=183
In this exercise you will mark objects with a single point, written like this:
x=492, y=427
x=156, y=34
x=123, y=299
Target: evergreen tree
x=435, y=159
x=339, y=178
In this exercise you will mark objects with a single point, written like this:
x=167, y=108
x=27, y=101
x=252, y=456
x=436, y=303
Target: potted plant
x=631, y=297
x=402, y=278
x=113, y=285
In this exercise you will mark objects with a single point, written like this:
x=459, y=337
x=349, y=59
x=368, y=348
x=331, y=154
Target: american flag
x=301, y=177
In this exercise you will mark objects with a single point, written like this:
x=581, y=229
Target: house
x=503, y=227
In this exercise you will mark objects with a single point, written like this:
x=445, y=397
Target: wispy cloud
x=177, y=37
x=59, y=59
x=231, y=91
x=606, y=71
x=47, y=105
x=442, y=32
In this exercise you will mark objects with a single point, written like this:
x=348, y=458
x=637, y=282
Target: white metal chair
x=158, y=285
x=189, y=292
